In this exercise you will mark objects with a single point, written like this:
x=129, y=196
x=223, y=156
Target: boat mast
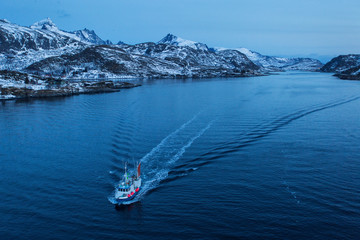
x=125, y=175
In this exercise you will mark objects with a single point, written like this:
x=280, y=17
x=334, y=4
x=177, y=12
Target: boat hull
x=120, y=201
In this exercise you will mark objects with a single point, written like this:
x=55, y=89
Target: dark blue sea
x=273, y=157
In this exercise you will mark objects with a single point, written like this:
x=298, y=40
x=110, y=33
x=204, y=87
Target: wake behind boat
x=128, y=187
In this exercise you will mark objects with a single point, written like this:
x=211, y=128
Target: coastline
x=16, y=85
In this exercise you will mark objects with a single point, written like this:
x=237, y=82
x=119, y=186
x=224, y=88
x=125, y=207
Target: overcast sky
x=316, y=28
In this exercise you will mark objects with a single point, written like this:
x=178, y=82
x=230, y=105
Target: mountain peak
x=168, y=38
x=45, y=24
x=90, y=36
x=5, y=20
x=88, y=31
x=177, y=41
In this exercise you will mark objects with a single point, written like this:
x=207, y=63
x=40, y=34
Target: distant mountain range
x=267, y=63
x=44, y=49
x=275, y=64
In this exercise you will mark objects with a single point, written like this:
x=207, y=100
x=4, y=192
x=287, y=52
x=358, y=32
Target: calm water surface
x=260, y=158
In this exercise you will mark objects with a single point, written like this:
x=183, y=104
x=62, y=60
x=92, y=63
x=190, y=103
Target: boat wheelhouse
x=128, y=187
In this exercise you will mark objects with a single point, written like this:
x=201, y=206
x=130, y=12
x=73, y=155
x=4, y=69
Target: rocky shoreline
x=348, y=76
x=16, y=85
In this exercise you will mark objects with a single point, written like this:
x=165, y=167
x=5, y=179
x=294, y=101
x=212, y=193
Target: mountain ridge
x=268, y=63
x=46, y=49
x=151, y=61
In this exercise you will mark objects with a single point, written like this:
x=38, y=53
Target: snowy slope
x=104, y=62
x=147, y=60
x=192, y=59
x=271, y=63
x=41, y=35
x=21, y=46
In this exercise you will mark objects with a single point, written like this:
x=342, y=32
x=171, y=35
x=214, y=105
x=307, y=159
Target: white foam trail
x=152, y=183
x=163, y=142
x=183, y=149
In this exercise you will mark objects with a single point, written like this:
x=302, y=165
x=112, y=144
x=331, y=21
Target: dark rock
x=345, y=66
x=342, y=63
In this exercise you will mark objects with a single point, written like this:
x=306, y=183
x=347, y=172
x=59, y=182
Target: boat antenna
x=125, y=169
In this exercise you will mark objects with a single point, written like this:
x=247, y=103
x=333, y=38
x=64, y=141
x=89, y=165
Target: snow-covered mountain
x=345, y=66
x=177, y=41
x=43, y=35
x=21, y=46
x=342, y=63
x=271, y=63
x=146, y=60
x=85, y=35
x=267, y=63
x=45, y=24
x=191, y=57
x=45, y=49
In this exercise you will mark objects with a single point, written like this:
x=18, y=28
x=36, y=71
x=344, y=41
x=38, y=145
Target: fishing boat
x=128, y=187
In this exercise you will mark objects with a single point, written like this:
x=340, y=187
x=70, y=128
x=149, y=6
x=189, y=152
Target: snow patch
x=177, y=41
x=45, y=24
